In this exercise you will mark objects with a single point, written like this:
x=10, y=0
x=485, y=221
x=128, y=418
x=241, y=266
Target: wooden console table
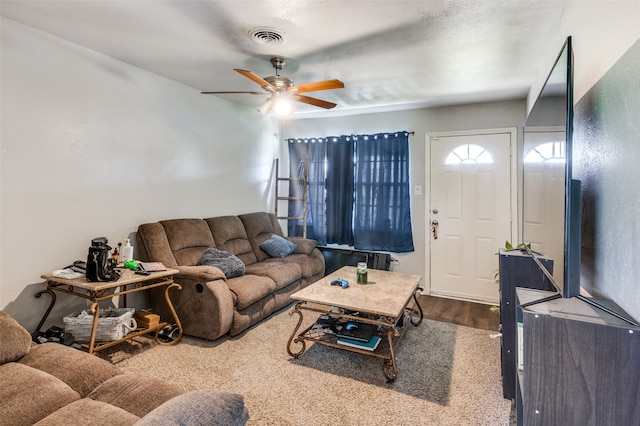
x=129, y=282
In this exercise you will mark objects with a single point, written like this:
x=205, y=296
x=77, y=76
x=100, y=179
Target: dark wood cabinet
x=581, y=365
x=517, y=269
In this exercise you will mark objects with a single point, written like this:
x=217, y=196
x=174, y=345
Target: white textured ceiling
x=391, y=55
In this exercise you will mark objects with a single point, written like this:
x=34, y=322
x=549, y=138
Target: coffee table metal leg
x=415, y=299
x=389, y=367
x=294, y=335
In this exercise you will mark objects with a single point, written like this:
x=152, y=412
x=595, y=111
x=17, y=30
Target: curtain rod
x=407, y=132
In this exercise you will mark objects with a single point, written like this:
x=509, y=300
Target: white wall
x=94, y=147
x=602, y=31
x=422, y=122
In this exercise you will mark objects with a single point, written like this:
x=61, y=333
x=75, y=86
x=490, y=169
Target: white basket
x=113, y=324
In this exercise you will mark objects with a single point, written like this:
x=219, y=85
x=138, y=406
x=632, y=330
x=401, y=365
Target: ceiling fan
x=282, y=90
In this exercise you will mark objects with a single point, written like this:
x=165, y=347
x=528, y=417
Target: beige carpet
x=448, y=375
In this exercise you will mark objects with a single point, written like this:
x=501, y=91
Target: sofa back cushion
x=153, y=245
x=80, y=372
x=15, y=341
x=259, y=227
x=229, y=234
x=188, y=239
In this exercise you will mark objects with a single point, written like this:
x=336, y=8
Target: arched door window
x=547, y=152
x=469, y=154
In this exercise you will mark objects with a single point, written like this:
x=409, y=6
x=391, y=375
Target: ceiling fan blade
x=314, y=101
x=318, y=85
x=227, y=93
x=256, y=79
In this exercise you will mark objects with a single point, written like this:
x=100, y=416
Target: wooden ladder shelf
x=290, y=180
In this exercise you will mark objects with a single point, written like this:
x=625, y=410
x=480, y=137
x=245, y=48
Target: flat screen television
x=552, y=199
x=551, y=212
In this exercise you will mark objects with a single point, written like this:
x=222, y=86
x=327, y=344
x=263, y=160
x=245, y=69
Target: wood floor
x=476, y=315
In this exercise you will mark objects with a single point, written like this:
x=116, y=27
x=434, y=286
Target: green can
x=361, y=273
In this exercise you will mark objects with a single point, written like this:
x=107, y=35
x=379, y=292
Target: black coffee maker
x=100, y=265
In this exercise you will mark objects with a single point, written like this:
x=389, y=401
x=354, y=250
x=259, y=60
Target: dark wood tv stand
x=580, y=363
x=517, y=269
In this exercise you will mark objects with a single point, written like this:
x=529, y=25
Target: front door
x=470, y=211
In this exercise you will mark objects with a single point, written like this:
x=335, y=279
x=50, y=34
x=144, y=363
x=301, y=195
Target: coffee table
x=384, y=301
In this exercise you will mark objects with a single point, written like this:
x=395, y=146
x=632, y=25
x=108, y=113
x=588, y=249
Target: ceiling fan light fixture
x=281, y=103
x=282, y=91
x=265, y=106
x=282, y=106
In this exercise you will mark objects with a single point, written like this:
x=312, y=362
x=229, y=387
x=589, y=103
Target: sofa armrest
x=303, y=245
x=201, y=273
x=205, y=305
x=199, y=408
x=16, y=340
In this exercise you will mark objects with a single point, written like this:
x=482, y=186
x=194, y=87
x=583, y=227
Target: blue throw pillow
x=276, y=246
x=229, y=264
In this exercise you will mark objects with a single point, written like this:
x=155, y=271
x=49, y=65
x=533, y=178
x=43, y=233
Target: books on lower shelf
x=327, y=324
x=371, y=345
x=356, y=330
x=152, y=266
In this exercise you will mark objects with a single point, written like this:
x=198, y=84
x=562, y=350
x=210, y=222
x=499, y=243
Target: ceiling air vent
x=267, y=35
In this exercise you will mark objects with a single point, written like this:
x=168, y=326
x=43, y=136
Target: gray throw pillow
x=276, y=246
x=229, y=264
x=199, y=408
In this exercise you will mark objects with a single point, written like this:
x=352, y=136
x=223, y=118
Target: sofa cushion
x=28, y=394
x=276, y=246
x=200, y=407
x=188, y=238
x=259, y=227
x=281, y=273
x=134, y=393
x=229, y=234
x=16, y=340
x=248, y=289
x=309, y=265
x=89, y=412
x=229, y=264
x=81, y=372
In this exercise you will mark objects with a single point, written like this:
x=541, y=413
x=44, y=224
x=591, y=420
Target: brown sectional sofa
x=211, y=305
x=52, y=384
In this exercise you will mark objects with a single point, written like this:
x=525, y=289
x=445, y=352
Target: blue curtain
x=358, y=190
x=339, y=186
x=313, y=152
x=382, y=213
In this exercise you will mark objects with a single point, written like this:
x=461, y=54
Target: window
x=358, y=190
x=469, y=154
x=547, y=152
